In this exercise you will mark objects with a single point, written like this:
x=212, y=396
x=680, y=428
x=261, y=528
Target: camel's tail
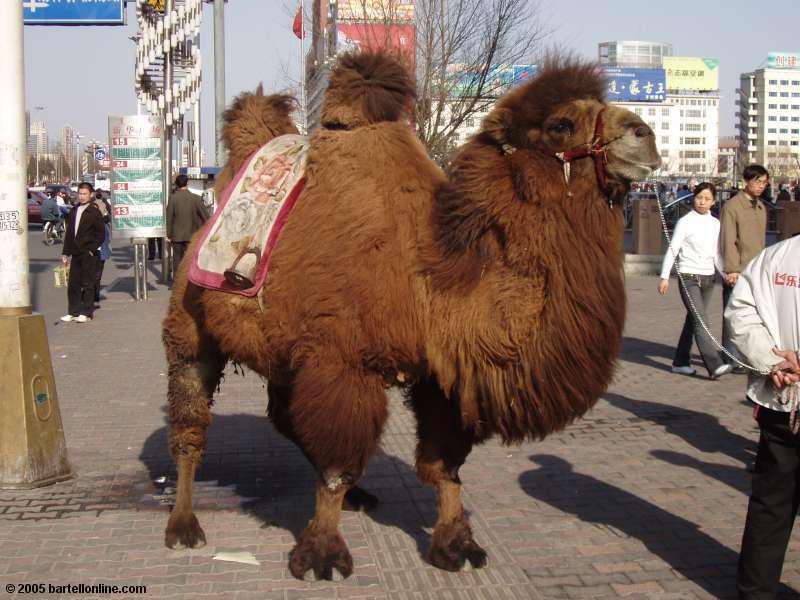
x=367, y=87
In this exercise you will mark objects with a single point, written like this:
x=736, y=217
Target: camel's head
x=564, y=110
x=366, y=88
x=254, y=119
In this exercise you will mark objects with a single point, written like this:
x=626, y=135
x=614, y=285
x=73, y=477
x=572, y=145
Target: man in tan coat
x=743, y=228
x=185, y=215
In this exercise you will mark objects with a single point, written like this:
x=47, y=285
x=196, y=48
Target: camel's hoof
x=321, y=553
x=356, y=499
x=184, y=532
x=453, y=549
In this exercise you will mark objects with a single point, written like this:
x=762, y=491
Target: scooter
x=53, y=231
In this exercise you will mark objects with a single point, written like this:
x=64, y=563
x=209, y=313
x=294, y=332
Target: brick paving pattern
x=643, y=498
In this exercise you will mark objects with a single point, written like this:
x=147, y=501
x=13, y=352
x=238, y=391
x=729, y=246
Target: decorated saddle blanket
x=234, y=252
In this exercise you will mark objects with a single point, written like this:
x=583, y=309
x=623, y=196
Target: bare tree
x=463, y=47
x=461, y=51
x=784, y=165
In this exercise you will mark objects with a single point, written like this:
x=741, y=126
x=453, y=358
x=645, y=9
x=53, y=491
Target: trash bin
x=647, y=231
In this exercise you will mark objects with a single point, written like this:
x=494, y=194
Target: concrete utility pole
x=219, y=78
x=33, y=451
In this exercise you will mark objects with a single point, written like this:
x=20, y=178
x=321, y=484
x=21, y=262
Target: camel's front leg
x=442, y=448
x=320, y=546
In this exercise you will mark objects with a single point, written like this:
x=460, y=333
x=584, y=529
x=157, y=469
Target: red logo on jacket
x=786, y=280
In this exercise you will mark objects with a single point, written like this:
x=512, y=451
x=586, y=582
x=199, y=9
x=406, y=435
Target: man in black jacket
x=82, y=239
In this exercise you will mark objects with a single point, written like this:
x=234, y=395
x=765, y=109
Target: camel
x=493, y=293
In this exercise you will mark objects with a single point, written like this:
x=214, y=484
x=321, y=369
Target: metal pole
x=219, y=78
x=167, y=159
x=14, y=290
x=137, y=269
x=196, y=150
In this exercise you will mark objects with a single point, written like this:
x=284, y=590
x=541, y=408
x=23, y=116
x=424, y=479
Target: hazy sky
x=81, y=75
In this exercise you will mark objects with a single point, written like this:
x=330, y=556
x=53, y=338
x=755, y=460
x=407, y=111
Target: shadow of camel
x=699, y=429
x=275, y=482
x=678, y=542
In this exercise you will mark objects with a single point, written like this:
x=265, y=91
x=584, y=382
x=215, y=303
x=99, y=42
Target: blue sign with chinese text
x=635, y=85
x=73, y=12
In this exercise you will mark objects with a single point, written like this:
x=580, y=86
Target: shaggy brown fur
x=495, y=292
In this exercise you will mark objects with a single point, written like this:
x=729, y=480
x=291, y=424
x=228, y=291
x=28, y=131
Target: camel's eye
x=561, y=127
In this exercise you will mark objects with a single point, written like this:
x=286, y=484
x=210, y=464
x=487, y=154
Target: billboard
x=635, y=85
x=498, y=80
x=783, y=60
x=74, y=12
x=383, y=11
x=394, y=37
x=691, y=73
x=137, y=194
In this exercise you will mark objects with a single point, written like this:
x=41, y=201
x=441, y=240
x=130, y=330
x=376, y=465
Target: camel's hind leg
x=337, y=414
x=442, y=448
x=192, y=382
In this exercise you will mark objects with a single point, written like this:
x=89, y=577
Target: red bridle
x=596, y=149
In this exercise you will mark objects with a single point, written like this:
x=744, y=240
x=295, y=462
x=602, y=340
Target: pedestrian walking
x=764, y=317
x=105, y=248
x=82, y=241
x=695, y=244
x=185, y=215
x=743, y=229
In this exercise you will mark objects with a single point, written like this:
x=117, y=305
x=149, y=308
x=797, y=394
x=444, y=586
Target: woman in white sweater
x=695, y=244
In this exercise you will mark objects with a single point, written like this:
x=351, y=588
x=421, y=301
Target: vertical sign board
x=137, y=147
x=73, y=12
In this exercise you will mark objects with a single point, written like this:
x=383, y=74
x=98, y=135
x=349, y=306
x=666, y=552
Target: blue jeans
x=699, y=288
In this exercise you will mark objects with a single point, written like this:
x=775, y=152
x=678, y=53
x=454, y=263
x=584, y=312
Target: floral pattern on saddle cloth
x=233, y=254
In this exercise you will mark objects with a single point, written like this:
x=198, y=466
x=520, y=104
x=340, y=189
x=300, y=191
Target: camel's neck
x=531, y=281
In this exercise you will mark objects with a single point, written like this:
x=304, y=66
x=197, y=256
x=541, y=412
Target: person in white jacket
x=764, y=318
x=695, y=244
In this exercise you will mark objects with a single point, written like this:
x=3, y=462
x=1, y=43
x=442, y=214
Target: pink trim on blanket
x=217, y=281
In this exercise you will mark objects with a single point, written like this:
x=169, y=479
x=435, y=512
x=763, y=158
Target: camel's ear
x=260, y=89
x=498, y=125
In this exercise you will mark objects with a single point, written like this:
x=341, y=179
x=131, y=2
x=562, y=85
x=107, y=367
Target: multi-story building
x=728, y=158
x=626, y=53
x=687, y=132
x=68, y=140
x=769, y=116
x=677, y=97
x=38, y=142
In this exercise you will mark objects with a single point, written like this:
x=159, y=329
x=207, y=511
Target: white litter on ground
x=240, y=557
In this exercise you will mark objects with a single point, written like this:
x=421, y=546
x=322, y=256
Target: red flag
x=297, y=26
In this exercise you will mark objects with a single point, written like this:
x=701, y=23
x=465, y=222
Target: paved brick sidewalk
x=644, y=498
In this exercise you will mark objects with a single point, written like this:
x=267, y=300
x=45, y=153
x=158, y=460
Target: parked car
x=35, y=206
